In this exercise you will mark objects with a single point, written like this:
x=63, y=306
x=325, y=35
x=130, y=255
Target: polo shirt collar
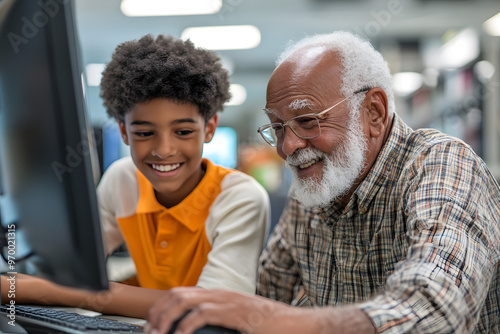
x=192, y=210
x=147, y=198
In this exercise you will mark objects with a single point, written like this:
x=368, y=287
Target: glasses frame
x=265, y=127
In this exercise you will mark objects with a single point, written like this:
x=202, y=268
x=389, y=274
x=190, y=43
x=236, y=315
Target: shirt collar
x=147, y=198
x=385, y=167
x=188, y=212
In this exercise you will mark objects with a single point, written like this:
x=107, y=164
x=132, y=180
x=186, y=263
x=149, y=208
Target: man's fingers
x=213, y=307
x=168, y=309
x=173, y=305
x=198, y=317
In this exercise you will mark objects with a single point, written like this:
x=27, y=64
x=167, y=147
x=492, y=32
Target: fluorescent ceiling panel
x=169, y=7
x=224, y=37
x=492, y=26
x=460, y=50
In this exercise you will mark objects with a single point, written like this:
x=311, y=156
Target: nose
x=291, y=143
x=164, y=147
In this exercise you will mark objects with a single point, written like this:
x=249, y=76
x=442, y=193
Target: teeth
x=166, y=168
x=308, y=164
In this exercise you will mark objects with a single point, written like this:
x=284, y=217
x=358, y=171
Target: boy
x=184, y=220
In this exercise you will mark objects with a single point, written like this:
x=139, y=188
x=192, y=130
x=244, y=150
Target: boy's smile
x=166, y=143
x=165, y=168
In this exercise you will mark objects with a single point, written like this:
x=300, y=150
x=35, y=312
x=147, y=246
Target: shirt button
x=163, y=244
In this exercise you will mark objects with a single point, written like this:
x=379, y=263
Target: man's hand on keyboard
x=243, y=312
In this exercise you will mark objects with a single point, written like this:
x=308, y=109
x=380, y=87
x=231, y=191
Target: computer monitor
x=46, y=151
x=223, y=148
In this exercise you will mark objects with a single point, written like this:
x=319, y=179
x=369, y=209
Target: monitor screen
x=223, y=148
x=48, y=203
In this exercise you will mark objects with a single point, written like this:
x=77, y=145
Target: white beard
x=340, y=171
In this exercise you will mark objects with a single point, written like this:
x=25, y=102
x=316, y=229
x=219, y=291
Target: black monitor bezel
x=72, y=253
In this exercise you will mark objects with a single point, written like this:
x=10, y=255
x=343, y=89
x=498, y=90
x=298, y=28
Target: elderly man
x=386, y=230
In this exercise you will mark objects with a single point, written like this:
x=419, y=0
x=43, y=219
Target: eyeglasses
x=304, y=126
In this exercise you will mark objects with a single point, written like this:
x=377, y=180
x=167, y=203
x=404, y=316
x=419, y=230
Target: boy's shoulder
x=125, y=163
x=236, y=184
x=121, y=171
x=228, y=176
x=118, y=189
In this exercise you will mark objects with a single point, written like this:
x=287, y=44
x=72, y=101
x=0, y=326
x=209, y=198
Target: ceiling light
x=484, y=70
x=94, y=74
x=169, y=7
x=238, y=95
x=223, y=37
x=492, y=26
x=405, y=83
x=460, y=50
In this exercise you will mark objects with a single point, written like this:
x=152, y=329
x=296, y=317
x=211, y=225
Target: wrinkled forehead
x=298, y=105
x=309, y=77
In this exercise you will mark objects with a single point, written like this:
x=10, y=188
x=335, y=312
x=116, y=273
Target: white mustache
x=303, y=156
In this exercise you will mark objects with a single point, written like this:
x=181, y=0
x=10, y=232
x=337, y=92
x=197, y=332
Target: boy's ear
x=210, y=128
x=123, y=132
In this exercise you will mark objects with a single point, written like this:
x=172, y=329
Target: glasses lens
x=306, y=126
x=269, y=135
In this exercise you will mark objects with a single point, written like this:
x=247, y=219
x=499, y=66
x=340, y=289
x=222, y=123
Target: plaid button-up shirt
x=416, y=248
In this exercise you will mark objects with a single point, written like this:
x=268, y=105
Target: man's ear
x=377, y=117
x=210, y=128
x=123, y=132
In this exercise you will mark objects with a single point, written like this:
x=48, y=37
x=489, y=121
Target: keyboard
x=47, y=320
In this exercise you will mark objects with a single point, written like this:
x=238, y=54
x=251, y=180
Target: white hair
x=362, y=66
x=340, y=169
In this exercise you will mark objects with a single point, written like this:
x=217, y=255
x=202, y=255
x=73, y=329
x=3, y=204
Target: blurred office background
x=444, y=55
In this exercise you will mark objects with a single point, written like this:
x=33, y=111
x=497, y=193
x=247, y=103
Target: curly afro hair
x=149, y=68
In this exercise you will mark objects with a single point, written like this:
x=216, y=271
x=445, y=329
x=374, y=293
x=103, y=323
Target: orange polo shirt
x=169, y=246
